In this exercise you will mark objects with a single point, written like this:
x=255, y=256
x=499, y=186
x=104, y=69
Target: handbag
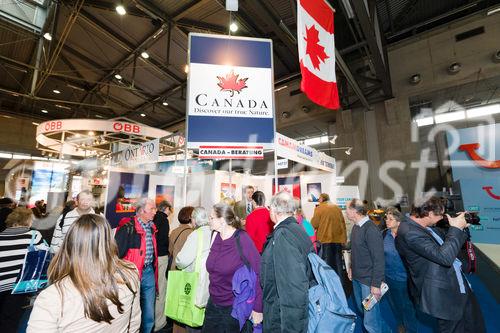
x=33, y=275
x=182, y=287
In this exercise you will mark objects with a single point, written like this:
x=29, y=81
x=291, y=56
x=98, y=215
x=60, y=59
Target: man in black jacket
x=285, y=270
x=437, y=285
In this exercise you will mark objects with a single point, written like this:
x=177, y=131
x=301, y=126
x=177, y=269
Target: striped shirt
x=14, y=244
x=60, y=233
x=148, y=260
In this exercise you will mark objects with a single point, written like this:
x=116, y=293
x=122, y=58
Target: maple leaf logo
x=231, y=83
x=315, y=51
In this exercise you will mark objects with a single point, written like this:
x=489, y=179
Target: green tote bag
x=181, y=293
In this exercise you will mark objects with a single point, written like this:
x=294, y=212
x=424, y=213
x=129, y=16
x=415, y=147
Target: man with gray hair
x=136, y=240
x=367, y=270
x=285, y=270
x=84, y=202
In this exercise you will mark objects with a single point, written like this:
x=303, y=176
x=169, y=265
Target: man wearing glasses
x=437, y=284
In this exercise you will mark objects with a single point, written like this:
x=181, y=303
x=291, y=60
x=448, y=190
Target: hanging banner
x=282, y=164
x=146, y=152
x=231, y=152
x=230, y=93
x=293, y=150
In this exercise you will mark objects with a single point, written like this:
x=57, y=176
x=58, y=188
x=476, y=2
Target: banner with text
x=146, y=152
x=230, y=93
x=293, y=150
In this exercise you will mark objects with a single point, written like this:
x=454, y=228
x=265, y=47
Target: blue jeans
x=401, y=306
x=372, y=320
x=148, y=298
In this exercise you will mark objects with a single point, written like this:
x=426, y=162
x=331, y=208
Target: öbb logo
x=53, y=125
x=127, y=128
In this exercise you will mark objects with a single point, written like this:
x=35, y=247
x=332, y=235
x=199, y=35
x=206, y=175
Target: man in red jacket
x=136, y=242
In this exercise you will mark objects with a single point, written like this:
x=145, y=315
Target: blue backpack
x=328, y=309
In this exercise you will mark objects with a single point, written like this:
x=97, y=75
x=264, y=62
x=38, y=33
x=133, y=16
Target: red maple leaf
x=316, y=52
x=231, y=83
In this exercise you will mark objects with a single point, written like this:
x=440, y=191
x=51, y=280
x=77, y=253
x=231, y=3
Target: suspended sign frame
x=230, y=99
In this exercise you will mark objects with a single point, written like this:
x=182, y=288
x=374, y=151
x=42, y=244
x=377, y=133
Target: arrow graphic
x=470, y=149
x=488, y=189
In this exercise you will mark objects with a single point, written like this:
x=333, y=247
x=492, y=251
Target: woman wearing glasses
x=396, y=277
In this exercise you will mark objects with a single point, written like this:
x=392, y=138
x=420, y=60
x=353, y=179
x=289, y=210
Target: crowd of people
x=251, y=260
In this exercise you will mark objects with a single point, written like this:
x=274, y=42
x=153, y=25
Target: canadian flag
x=317, y=52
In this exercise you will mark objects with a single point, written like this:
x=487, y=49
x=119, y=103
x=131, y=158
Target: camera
x=471, y=218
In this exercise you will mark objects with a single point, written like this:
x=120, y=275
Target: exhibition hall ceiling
x=99, y=64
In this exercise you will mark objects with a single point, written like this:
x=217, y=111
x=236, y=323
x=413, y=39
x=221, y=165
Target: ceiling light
x=348, y=151
x=280, y=88
x=449, y=116
x=454, y=68
x=496, y=57
x=21, y=157
x=91, y=133
x=121, y=10
x=62, y=107
x=415, y=79
x=233, y=27
x=165, y=103
x=47, y=36
x=483, y=111
x=144, y=54
x=118, y=76
x=6, y=155
x=77, y=135
x=333, y=139
x=45, y=111
x=143, y=115
x=56, y=91
x=424, y=121
x=186, y=69
x=36, y=124
x=493, y=11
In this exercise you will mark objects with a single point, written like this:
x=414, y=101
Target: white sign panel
x=134, y=155
x=231, y=152
x=282, y=164
x=293, y=150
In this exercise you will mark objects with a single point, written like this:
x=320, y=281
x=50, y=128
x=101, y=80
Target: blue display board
x=230, y=91
x=476, y=165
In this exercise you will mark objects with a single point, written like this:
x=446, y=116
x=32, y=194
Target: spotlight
x=186, y=69
x=45, y=111
x=118, y=76
x=415, y=79
x=165, y=103
x=233, y=27
x=496, y=57
x=56, y=91
x=332, y=140
x=144, y=54
x=348, y=151
x=91, y=133
x=143, y=115
x=47, y=36
x=121, y=10
x=454, y=68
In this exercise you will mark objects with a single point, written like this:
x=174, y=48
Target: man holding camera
x=437, y=284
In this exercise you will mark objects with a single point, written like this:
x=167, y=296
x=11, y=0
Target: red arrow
x=470, y=149
x=488, y=189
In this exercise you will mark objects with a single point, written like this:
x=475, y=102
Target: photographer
x=437, y=284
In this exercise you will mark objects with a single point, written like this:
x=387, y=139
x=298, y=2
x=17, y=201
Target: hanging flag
x=317, y=52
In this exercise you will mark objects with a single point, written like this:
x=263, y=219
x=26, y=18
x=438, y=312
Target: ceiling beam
x=350, y=78
x=374, y=44
x=188, y=8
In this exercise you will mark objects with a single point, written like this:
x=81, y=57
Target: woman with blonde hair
x=91, y=289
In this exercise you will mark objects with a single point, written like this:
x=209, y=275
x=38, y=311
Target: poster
x=230, y=106
x=313, y=192
x=164, y=192
x=124, y=190
x=227, y=190
x=288, y=184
